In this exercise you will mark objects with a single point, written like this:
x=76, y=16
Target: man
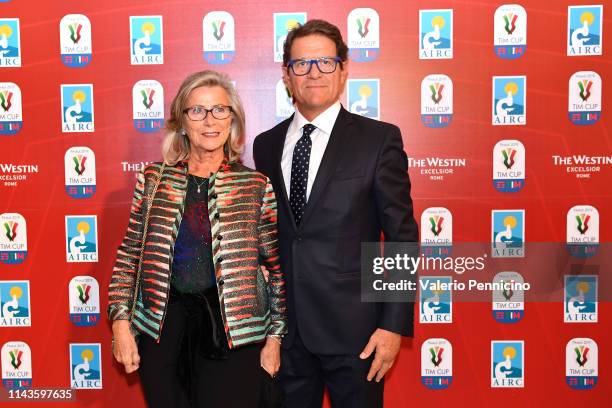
x=341, y=179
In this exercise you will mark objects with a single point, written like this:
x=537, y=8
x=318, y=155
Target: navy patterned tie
x=299, y=173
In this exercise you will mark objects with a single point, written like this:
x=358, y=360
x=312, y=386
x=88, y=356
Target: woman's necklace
x=198, y=184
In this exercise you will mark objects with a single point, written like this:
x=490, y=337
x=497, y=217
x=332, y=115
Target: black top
x=192, y=267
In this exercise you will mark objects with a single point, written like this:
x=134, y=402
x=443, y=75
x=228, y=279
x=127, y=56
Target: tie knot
x=308, y=129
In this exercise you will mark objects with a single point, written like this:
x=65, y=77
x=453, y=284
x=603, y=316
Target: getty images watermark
x=401, y=272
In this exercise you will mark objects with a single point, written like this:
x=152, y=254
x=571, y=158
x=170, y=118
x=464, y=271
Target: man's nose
x=315, y=72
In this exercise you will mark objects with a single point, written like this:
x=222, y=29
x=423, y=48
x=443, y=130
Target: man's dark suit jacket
x=361, y=189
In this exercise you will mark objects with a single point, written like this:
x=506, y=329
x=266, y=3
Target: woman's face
x=208, y=135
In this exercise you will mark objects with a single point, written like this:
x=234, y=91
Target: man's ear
x=286, y=80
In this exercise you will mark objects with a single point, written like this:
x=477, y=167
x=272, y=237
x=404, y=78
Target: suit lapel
x=337, y=140
x=278, y=157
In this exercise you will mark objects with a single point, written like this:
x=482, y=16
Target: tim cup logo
x=436, y=355
x=147, y=97
x=510, y=31
x=585, y=89
x=584, y=98
x=581, y=355
x=5, y=100
x=508, y=156
x=510, y=23
x=362, y=26
x=436, y=92
x=582, y=223
x=16, y=358
x=79, y=164
x=436, y=224
x=218, y=26
x=16, y=365
x=10, y=229
x=83, y=292
x=75, y=32
x=436, y=363
x=581, y=363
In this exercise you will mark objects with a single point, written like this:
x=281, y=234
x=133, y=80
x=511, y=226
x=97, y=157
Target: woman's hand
x=125, y=349
x=270, y=356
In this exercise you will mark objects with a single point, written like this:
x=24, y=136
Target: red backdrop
x=548, y=193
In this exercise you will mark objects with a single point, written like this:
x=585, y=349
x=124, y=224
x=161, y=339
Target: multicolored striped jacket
x=242, y=211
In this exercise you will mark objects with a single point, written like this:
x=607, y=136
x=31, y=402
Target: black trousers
x=235, y=382
x=304, y=375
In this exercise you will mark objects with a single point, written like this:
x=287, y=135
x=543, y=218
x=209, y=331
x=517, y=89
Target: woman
x=209, y=290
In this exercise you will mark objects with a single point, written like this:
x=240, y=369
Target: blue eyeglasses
x=325, y=65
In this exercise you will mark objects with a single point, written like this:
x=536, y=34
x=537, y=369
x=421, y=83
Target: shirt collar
x=325, y=121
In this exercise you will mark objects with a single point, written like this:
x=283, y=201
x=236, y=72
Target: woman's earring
x=183, y=132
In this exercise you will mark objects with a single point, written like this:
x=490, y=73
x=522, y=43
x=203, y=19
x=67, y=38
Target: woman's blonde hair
x=176, y=146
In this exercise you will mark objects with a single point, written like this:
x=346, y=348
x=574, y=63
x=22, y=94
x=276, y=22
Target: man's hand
x=387, y=345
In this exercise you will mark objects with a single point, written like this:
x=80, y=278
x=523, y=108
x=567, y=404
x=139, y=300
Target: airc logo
x=436, y=364
x=582, y=231
x=508, y=233
x=11, y=119
x=436, y=232
x=363, y=34
x=85, y=366
x=75, y=40
x=10, y=48
x=219, y=42
x=584, y=97
x=363, y=97
x=508, y=364
x=15, y=304
x=77, y=108
x=580, y=305
x=581, y=363
x=16, y=365
x=148, y=106
x=584, y=30
x=84, y=301
x=284, y=102
x=13, y=238
x=435, y=299
x=508, y=166
x=81, y=238
x=436, y=34
x=508, y=303
x=509, y=100
x=146, y=40
x=436, y=100
x=80, y=172
x=283, y=23
x=510, y=31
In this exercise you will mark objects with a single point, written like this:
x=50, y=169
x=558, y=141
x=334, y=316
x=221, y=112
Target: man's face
x=315, y=92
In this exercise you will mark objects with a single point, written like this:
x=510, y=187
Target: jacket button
x=213, y=196
x=219, y=237
x=221, y=282
x=217, y=215
x=219, y=259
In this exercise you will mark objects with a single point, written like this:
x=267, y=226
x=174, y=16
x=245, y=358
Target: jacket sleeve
x=122, y=284
x=395, y=214
x=269, y=257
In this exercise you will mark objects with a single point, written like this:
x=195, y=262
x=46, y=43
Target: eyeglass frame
x=313, y=61
x=186, y=110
